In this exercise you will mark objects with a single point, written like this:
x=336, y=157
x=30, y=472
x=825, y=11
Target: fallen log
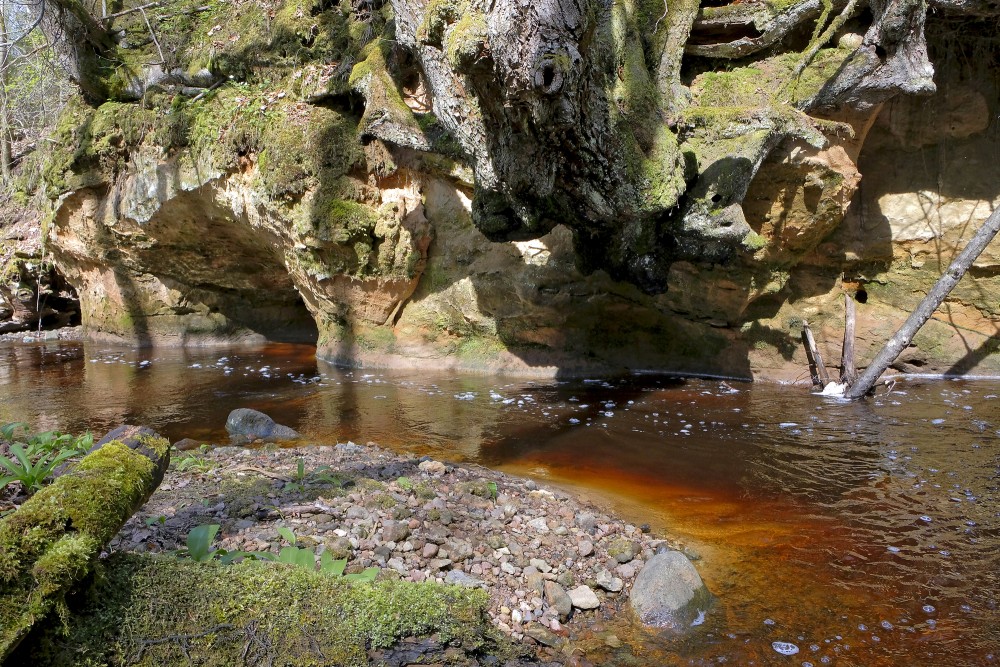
x=51, y=541
x=945, y=284
x=848, y=373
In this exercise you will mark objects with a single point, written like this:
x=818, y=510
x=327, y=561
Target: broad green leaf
x=199, y=542
x=287, y=533
x=365, y=576
x=330, y=566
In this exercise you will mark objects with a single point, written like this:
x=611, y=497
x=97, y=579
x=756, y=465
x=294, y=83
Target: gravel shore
x=556, y=568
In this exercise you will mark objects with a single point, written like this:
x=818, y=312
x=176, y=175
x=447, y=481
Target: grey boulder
x=669, y=593
x=246, y=425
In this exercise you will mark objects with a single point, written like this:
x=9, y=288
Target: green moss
x=465, y=43
x=161, y=611
x=439, y=15
x=51, y=540
x=753, y=241
x=376, y=339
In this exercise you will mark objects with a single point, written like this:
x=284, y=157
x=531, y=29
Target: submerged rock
x=669, y=592
x=246, y=425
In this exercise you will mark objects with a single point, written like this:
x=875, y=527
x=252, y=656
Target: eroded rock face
x=648, y=220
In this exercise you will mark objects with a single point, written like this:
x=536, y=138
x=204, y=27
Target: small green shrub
x=34, y=456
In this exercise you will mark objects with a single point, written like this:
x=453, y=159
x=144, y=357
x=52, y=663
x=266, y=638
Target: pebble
x=583, y=597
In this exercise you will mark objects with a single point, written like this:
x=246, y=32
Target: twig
x=662, y=16
x=163, y=61
x=140, y=8
x=208, y=90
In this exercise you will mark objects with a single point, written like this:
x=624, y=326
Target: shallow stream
x=863, y=533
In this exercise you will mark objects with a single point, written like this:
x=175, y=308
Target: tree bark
x=821, y=374
x=934, y=298
x=52, y=540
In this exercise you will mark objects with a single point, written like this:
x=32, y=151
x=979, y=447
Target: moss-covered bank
x=158, y=610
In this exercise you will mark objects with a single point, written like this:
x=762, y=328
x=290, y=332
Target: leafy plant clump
x=199, y=549
x=32, y=457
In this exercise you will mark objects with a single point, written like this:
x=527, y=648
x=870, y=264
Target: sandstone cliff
x=551, y=187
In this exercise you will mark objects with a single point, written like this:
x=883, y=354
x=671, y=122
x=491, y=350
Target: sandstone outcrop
x=604, y=189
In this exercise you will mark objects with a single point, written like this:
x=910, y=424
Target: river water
x=863, y=533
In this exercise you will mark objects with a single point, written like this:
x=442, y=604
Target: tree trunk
x=938, y=293
x=52, y=540
x=5, y=158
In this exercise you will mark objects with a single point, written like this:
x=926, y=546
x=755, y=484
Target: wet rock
x=543, y=635
x=246, y=425
x=583, y=597
x=669, y=593
x=558, y=599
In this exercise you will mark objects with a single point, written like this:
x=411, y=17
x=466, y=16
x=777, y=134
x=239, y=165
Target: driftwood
x=934, y=298
x=51, y=541
x=822, y=377
x=848, y=374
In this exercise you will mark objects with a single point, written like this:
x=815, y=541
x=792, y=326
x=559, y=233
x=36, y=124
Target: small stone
x=608, y=582
x=566, y=579
x=462, y=579
x=398, y=565
x=395, y=531
x=583, y=597
x=535, y=581
x=540, y=565
x=542, y=635
x=586, y=521
x=559, y=600
x=508, y=568
x=339, y=547
x=439, y=563
x=623, y=550
x=539, y=525
x=613, y=641
x=430, y=550
x=585, y=548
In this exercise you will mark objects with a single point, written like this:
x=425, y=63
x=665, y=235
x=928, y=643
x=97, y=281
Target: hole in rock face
x=548, y=75
x=716, y=198
x=861, y=296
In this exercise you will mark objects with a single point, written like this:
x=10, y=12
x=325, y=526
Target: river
x=864, y=533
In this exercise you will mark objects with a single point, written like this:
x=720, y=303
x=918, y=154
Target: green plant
x=31, y=473
x=192, y=462
x=46, y=442
x=199, y=547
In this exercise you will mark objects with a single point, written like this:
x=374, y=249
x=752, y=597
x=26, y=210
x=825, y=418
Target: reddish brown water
x=864, y=533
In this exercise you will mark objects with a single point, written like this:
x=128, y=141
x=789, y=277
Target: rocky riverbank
x=556, y=569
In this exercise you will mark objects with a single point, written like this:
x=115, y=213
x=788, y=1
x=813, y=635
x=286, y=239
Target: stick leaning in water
x=938, y=293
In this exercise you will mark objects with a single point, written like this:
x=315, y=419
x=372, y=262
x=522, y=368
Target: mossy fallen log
x=160, y=610
x=52, y=541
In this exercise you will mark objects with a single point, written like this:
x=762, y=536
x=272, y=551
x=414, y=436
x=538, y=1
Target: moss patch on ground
x=156, y=610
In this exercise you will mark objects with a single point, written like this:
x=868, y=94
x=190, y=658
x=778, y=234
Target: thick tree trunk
x=51, y=541
x=934, y=298
x=79, y=43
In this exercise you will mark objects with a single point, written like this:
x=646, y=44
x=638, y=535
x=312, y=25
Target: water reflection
x=862, y=533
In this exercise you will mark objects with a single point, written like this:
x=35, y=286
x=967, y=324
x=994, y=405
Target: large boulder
x=669, y=593
x=246, y=425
